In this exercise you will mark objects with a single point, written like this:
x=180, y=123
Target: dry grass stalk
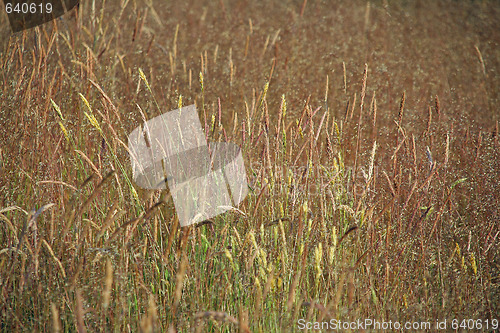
x=258, y=300
x=345, y=77
x=373, y=108
x=179, y=281
x=149, y=321
x=56, y=321
x=447, y=150
x=79, y=313
x=351, y=114
x=217, y=316
x=480, y=56
x=438, y=107
x=296, y=279
x=401, y=108
x=243, y=321
x=94, y=193
x=108, y=284
x=58, y=262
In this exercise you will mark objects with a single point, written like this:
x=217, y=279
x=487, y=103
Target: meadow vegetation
x=370, y=136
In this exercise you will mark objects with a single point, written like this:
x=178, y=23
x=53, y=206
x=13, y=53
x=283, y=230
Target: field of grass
x=369, y=132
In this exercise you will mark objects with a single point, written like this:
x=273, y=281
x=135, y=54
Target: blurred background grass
x=322, y=236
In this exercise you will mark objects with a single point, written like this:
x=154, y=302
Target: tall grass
x=373, y=168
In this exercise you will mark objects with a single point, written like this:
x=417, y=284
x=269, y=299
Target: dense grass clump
x=370, y=137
